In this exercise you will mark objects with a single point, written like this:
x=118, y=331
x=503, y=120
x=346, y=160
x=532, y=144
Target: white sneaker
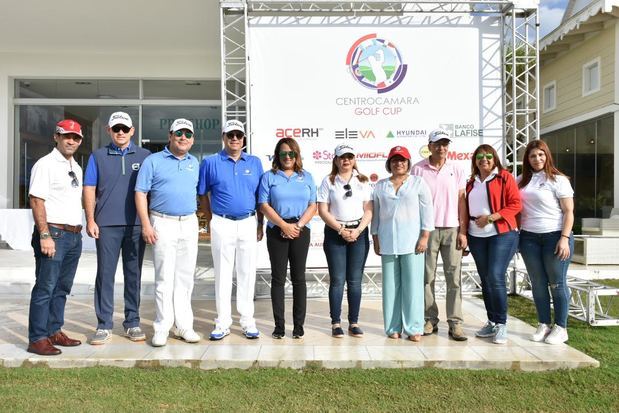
x=501, y=334
x=188, y=335
x=541, y=333
x=160, y=338
x=558, y=335
x=219, y=333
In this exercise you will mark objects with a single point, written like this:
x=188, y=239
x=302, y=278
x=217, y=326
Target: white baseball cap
x=344, y=149
x=181, y=123
x=234, y=124
x=438, y=134
x=120, y=118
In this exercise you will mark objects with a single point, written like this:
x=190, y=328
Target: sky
x=550, y=14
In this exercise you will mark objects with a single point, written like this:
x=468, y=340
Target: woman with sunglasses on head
x=345, y=205
x=287, y=197
x=546, y=240
x=401, y=226
x=493, y=201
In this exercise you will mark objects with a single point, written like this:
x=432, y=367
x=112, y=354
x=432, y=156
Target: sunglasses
x=74, y=182
x=232, y=135
x=290, y=154
x=118, y=128
x=348, y=189
x=481, y=156
x=181, y=132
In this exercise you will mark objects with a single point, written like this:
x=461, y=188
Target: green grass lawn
x=179, y=389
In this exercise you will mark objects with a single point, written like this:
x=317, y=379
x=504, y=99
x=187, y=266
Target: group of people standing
x=132, y=198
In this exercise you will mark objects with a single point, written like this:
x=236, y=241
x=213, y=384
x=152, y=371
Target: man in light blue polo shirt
x=231, y=177
x=170, y=224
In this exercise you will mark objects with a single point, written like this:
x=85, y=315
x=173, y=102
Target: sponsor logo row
x=326, y=155
x=455, y=130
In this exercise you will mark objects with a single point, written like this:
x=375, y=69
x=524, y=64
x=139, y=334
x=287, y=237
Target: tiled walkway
x=317, y=349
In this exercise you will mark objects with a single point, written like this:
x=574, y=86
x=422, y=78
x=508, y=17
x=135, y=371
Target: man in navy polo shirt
x=231, y=177
x=170, y=224
x=111, y=219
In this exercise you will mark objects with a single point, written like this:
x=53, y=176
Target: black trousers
x=282, y=251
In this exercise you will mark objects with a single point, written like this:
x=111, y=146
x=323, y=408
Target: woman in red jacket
x=493, y=202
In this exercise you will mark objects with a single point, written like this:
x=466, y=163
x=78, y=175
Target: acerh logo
x=376, y=63
x=297, y=132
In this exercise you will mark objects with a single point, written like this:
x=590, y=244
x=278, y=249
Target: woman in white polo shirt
x=546, y=240
x=345, y=205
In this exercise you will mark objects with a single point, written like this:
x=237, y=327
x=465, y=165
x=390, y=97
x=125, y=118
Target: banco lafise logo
x=376, y=63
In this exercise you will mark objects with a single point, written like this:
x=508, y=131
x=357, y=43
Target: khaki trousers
x=443, y=240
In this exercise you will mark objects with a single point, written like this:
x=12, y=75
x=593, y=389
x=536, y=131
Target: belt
x=174, y=217
x=351, y=224
x=237, y=218
x=473, y=218
x=69, y=228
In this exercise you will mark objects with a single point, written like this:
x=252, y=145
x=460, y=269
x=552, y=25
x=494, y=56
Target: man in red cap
x=56, y=202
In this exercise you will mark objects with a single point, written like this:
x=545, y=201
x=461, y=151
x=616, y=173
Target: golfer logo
x=376, y=63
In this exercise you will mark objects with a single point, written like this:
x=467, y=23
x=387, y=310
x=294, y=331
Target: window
x=591, y=77
x=152, y=104
x=585, y=153
x=550, y=96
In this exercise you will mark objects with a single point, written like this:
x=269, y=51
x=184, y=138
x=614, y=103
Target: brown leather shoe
x=61, y=339
x=43, y=347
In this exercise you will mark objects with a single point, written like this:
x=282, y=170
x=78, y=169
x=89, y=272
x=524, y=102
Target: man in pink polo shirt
x=447, y=182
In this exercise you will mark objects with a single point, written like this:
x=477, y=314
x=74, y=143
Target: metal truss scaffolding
x=520, y=41
x=590, y=302
x=521, y=82
x=520, y=57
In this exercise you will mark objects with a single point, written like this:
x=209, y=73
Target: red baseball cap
x=69, y=126
x=399, y=150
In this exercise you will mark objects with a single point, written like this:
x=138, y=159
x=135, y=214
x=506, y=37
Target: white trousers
x=175, y=253
x=234, y=244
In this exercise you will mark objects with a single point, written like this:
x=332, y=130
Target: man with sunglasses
x=447, y=183
x=111, y=219
x=231, y=177
x=56, y=200
x=170, y=225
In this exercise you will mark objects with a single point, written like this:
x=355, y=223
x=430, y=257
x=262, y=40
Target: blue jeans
x=112, y=240
x=546, y=270
x=492, y=256
x=346, y=261
x=54, y=279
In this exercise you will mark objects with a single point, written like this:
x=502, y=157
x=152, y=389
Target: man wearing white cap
x=447, y=183
x=170, y=224
x=231, y=177
x=111, y=219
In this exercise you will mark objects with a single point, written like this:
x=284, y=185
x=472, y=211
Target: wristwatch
x=45, y=235
x=490, y=220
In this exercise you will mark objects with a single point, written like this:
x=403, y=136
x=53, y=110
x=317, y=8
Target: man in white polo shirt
x=447, y=182
x=56, y=202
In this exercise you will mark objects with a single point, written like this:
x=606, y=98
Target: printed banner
x=373, y=87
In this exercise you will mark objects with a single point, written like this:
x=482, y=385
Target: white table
x=16, y=226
